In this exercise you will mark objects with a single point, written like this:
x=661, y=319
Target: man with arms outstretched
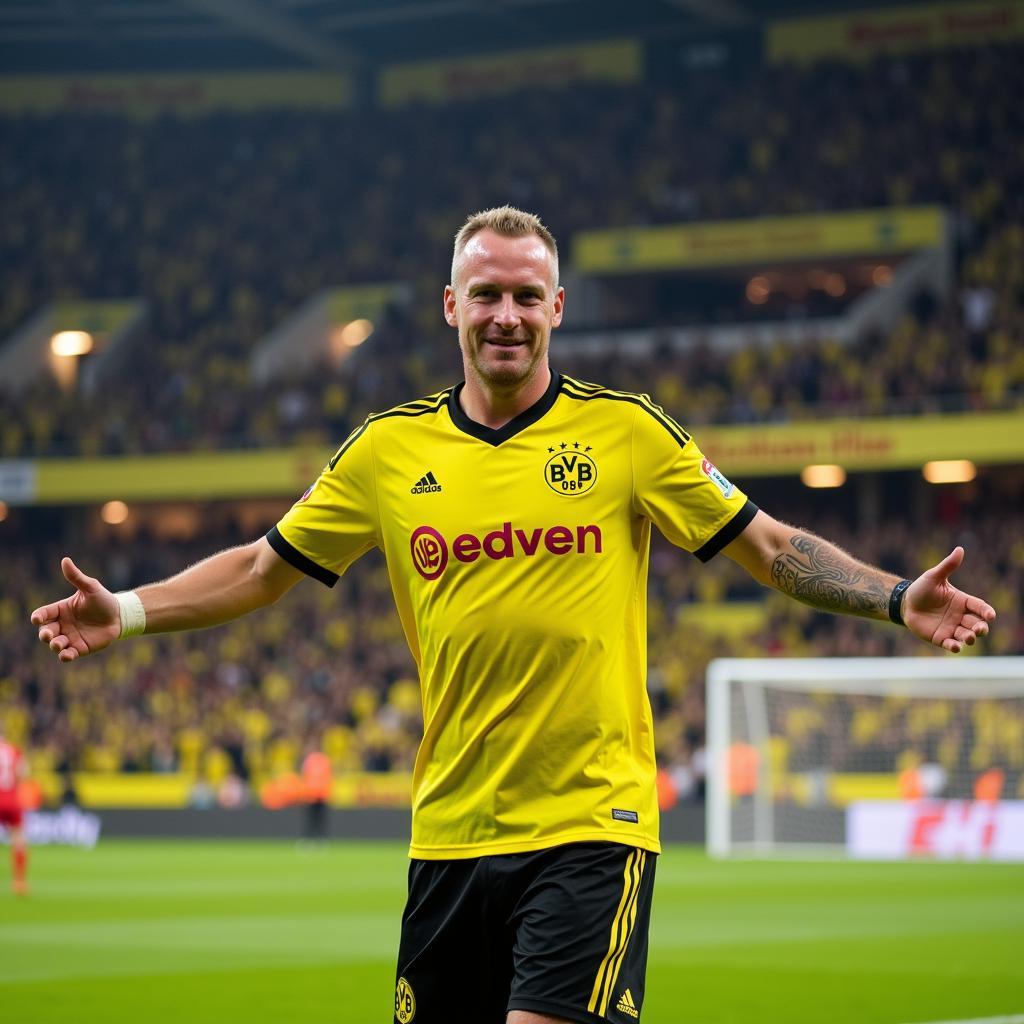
x=515, y=512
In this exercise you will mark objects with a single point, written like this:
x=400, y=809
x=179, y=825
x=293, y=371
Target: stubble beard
x=504, y=374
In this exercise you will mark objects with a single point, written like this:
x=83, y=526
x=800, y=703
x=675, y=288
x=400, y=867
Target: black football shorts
x=561, y=931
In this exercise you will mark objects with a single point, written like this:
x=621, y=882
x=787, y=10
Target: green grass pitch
x=268, y=933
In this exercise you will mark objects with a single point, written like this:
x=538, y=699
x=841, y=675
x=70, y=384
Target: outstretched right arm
x=222, y=587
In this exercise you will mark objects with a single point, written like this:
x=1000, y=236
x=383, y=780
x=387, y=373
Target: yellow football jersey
x=518, y=560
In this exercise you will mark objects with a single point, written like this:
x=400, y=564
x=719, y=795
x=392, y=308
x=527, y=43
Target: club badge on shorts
x=405, y=1002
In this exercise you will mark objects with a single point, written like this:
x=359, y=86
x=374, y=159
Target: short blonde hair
x=508, y=222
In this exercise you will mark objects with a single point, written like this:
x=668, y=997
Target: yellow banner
x=147, y=95
x=360, y=301
x=904, y=443
x=472, y=77
x=758, y=240
x=868, y=34
x=280, y=472
x=173, y=790
x=747, y=451
x=372, y=789
x=97, y=316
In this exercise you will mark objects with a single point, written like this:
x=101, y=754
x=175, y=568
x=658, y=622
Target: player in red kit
x=12, y=771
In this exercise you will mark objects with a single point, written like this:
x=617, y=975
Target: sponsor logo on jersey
x=627, y=1006
x=570, y=470
x=426, y=485
x=710, y=470
x=405, y=1002
x=431, y=552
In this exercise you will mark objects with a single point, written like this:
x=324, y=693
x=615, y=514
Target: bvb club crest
x=405, y=1002
x=570, y=470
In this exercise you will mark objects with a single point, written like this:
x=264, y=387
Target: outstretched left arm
x=824, y=576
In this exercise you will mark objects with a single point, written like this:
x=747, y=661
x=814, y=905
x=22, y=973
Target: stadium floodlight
x=874, y=757
x=71, y=343
x=950, y=471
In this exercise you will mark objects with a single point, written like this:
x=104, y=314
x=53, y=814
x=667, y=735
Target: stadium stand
x=226, y=223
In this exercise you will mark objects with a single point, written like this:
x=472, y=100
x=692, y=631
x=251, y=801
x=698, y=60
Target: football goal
x=874, y=757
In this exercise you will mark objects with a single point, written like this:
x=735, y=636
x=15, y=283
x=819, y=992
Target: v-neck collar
x=525, y=419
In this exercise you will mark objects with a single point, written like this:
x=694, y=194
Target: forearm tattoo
x=821, y=575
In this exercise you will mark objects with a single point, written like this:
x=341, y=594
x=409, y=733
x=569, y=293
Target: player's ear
x=450, y=307
x=559, y=304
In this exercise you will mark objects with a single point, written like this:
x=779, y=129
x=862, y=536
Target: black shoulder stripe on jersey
x=296, y=558
x=728, y=533
x=407, y=411
x=437, y=401
x=680, y=436
x=583, y=385
x=347, y=443
x=416, y=408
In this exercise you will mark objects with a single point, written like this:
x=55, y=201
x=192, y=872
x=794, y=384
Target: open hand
x=83, y=623
x=936, y=611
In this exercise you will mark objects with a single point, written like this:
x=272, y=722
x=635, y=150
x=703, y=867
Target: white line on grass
x=1013, y=1018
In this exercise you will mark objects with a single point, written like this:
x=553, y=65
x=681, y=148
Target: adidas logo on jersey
x=627, y=1006
x=426, y=485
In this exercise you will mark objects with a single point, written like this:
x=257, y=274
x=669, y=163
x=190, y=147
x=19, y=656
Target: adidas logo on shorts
x=627, y=1006
x=426, y=485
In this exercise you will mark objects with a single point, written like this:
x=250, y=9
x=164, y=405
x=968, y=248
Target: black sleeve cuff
x=728, y=533
x=296, y=558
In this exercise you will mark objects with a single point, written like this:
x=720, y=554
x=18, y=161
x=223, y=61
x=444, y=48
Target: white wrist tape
x=133, y=614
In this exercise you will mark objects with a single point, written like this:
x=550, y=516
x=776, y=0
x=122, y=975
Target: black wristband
x=895, y=600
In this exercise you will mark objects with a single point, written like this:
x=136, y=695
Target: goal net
x=875, y=757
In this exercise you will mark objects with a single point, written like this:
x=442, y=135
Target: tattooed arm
x=816, y=572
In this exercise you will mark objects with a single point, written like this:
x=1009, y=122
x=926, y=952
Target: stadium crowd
x=225, y=224
x=331, y=667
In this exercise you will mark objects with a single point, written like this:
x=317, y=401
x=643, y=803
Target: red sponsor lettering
x=430, y=550
x=922, y=836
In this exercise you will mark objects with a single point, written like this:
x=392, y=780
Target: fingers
x=58, y=643
x=976, y=606
x=952, y=645
x=45, y=613
x=77, y=578
x=978, y=626
x=964, y=635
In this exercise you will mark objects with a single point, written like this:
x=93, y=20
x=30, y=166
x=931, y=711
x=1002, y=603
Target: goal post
x=870, y=757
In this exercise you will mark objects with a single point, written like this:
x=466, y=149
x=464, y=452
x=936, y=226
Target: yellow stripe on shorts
x=630, y=921
x=620, y=931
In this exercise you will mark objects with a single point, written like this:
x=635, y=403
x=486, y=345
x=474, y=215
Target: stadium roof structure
x=75, y=36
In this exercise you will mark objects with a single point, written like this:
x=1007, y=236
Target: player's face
x=505, y=301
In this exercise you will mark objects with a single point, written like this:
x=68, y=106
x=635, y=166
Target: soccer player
x=12, y=770
x=515, y=511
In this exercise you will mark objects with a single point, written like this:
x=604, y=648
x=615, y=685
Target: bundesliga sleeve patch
x=710, y=470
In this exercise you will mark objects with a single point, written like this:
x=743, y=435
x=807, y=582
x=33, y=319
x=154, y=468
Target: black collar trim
x=525, y=419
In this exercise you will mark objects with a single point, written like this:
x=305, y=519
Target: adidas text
x=426, y=485
x=627, y=1006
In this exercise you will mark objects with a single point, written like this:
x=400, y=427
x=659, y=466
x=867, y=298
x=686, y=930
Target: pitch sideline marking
x=1013, y=1018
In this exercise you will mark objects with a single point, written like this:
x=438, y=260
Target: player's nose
x=507, y=315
